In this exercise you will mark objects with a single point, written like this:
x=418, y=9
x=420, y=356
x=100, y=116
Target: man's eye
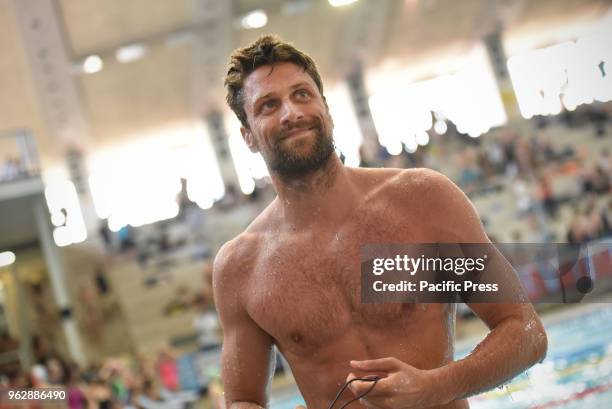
x=302, y=93
x=268, y=105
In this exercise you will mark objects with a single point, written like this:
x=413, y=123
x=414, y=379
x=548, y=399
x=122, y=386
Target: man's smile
x=297, y=132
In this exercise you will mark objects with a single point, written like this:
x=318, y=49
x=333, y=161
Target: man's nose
x=291, y=113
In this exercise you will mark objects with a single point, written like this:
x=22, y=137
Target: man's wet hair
x=266, y=50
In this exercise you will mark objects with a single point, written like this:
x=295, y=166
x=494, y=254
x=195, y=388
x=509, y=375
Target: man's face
x=289, y=122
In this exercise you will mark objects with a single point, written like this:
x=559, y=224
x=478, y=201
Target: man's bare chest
x=305, y=289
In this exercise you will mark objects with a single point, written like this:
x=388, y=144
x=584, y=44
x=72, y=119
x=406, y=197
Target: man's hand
x=403, y=386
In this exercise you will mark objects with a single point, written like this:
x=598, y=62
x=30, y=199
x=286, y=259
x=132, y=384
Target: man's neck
x=325, y=194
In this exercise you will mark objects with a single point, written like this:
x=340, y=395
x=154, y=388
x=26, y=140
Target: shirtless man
x=292, y=279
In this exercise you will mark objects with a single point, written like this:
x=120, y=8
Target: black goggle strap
x=374, y=379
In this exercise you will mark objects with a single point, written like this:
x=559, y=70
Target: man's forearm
x=510, y=348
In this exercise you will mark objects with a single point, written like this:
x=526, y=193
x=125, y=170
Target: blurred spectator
x=167, y=371
x=206, y=322
x=57, y=370
x=151, y=397
x=180, y=301
x=126, y=238
x=469, y=174
x=606, y=216
x=601, y=180
x=524, y=157
x=546, y=194
x=522, y=196
x=92, y=309
x=495, y=155
x=183, y=200
x=484, y=164
x=605, y=161
x=9, y=367
x=38, y=376
x=76, y=396
x=508, y=142
x=101, y=280
x=542, y=149
x=45, y=314
x=100, y=394
x=588, y=223
x=577, y=232
x=593, y=216
x=598, y=116
x=105, y=234
x=595, y=180
x=536, y=229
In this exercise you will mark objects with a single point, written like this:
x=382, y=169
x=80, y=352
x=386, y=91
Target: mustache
x=302, y=124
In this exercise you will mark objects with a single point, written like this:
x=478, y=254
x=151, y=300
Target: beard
x=289, y=163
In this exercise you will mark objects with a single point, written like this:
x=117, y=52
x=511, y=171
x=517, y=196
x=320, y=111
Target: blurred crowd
x=534, y=168
x=141, y=383
x=528, y=163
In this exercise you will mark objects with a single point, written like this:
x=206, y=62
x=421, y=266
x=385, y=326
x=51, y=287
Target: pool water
x=577, y=372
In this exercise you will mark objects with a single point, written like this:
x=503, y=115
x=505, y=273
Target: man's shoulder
x=234, y=257
x=422, y=183
x=237, y=256
x=425, y=180
x=430, y=191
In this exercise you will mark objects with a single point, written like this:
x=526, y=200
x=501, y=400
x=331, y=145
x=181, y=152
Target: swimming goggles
x=374, y=379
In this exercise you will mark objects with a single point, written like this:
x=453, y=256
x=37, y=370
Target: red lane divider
x=575, y=396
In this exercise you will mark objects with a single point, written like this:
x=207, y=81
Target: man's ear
x=247, y=135
x=328, y=113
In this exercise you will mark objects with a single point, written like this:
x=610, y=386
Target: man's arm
x=247, y=350
x=516, y=339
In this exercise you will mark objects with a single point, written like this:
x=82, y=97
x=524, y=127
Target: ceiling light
x=411, y=146
x=130, y=53
x=440, y=127
x=340, y=3
x=422, y=138
x=395, y=148
x=7, y=258
x=254, y=19
x=92, y=64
